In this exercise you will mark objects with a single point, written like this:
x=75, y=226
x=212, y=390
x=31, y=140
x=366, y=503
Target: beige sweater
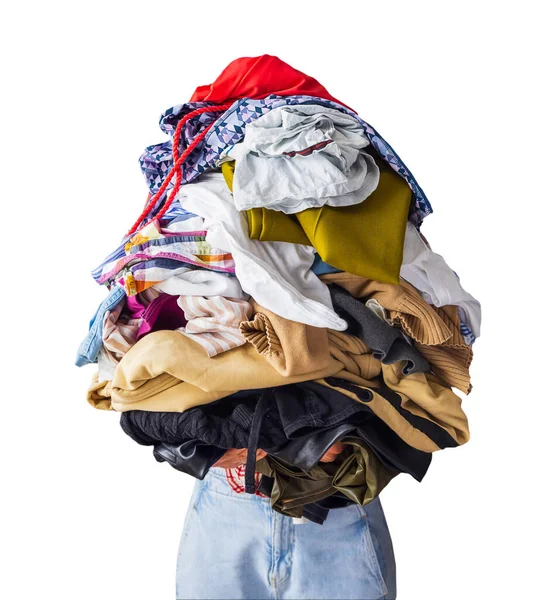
x=166, y=371
x=436, y=331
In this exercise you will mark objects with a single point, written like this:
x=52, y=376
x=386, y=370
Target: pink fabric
x=162, y=313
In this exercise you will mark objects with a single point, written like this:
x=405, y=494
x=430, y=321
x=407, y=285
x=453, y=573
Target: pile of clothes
x=275, y=294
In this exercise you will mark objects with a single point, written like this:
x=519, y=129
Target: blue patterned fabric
x=229, y=129
x=467, y=334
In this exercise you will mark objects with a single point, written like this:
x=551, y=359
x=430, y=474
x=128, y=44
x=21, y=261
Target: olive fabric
x=366, y=239
x=357, y=473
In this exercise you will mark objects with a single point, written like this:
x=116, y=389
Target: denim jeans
x=235, y=546
x=90, y=346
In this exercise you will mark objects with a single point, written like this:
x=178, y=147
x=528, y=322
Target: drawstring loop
x=177, y=166
x=261, y=409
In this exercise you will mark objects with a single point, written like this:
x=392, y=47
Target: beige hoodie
x=166, y=371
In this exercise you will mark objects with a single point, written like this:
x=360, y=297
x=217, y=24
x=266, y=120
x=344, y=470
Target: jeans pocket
x=374, y=554
x=380, y=551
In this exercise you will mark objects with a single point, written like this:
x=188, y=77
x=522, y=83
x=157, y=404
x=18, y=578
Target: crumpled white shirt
x=303, y=156
x=438, y=284
x=277, y=275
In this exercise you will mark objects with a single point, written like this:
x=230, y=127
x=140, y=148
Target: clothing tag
x=375, y=307
x=300, y=520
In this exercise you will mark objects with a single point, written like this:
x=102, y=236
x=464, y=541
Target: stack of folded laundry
x=275, y=294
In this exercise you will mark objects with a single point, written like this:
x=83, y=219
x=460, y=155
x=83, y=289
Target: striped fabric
x=118, y=336
x=213, y=322
x=465, y=331
x=154, y=254
x=226, y=131
x=119, y=333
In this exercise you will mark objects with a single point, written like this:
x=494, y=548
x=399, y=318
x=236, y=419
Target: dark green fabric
x=357, y=473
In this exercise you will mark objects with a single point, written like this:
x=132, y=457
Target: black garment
x=224, y=424
x=293, y=410
x=194, y=458
x=299, y=422
x=386, y=342
x=305, y=452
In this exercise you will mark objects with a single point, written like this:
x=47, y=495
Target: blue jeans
x=90, y=346
x=235, y=546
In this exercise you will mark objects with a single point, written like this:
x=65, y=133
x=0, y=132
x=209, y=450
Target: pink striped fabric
x=119, y=332
x=213, y=322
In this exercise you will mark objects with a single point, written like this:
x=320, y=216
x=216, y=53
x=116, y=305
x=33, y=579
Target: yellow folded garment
x=366, y=239
x=166, y=371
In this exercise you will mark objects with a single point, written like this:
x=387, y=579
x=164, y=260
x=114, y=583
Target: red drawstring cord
x=177, y=167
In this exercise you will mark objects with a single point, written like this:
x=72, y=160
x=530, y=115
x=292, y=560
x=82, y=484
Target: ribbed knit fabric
x=260, y=333
x=294, y=348
x=291, y=347
x=412, y=314
x=436, y=331
x=450, y=360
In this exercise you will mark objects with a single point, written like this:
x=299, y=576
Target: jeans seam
x=373, y=559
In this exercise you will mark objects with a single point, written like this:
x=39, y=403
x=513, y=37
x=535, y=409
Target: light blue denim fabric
x=236, y=546
x=90, y=346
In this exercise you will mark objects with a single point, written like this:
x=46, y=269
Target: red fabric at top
x=257, y=77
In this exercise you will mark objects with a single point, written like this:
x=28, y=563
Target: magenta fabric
x=162, y=313
x=134, y=309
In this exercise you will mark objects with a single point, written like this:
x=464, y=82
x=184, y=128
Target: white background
x=465, y=94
